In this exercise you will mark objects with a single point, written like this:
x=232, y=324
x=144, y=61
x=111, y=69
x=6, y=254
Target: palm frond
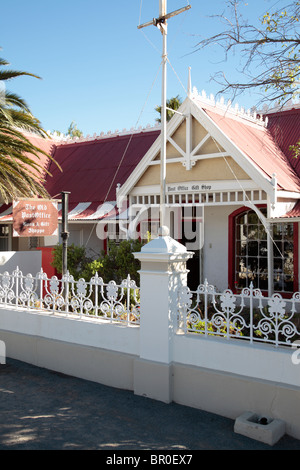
x=22, y=172
x=13, y=100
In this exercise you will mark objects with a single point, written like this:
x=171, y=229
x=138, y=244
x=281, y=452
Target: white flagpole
x=161, y=23
x=163, y=12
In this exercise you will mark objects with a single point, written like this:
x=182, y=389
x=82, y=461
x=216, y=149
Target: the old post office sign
x=35, y=218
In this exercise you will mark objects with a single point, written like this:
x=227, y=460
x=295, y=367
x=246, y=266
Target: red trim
x=47, y=257
x=105, y=244
x=231, y=250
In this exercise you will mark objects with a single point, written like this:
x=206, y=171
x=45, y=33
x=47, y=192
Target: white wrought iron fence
x=94, y=299
x=248, y=316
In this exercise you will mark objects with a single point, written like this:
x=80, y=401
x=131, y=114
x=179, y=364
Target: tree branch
x=272, y=49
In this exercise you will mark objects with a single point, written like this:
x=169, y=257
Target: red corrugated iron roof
x=92, y=169
x=257, y=142
x=295, y=212
x=284, y=127
x=46, y=145
x=5, y=213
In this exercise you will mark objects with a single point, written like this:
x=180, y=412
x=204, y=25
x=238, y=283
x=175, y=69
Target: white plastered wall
x=215, y=252
x=86, y=234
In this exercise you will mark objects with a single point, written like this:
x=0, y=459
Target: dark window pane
x=277, y=249
x=253, y=249
x=242, y=219
x=253, y=218
x=3, y=244
x=288, y=283
x=253, y=232
x=241, y=249
x=277, y=263
x=288, y=248
x=262, y=234
x=263, y=249
x=277, y=231
x=288, y=232
x=263, y=282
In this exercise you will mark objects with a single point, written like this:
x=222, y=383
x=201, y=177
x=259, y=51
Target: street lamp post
x=64, y=231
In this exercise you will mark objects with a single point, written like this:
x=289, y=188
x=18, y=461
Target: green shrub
x=211, y=329
x=90, y=269
x=119, y=261
x=76, y=259
x=112, y=266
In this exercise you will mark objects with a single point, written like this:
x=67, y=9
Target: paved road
x=44, y=410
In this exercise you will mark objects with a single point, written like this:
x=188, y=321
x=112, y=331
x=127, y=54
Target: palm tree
x=73, y=131
x=172, y=103
x=21, y=172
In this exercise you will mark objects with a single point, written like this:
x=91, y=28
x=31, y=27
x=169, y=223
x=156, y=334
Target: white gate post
x=163, y=271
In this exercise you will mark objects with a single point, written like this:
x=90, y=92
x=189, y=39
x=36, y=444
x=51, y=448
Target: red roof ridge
x=290, y=107
x=66, y=140
x=260, y=146
x=227, y=109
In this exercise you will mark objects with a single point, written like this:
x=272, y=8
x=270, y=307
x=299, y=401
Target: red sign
x=35, y=218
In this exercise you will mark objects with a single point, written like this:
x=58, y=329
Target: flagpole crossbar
x=162, y=19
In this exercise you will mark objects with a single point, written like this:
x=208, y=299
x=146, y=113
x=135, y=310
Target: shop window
x=4, y=237
x=249, y=253
x=34, y=242
x=114, y=233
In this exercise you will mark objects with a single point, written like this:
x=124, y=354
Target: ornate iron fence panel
x=247, y=316
x=94, y=299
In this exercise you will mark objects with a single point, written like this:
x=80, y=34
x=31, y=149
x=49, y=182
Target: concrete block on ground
x=260, y=428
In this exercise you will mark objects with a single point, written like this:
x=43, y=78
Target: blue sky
x=98, y=69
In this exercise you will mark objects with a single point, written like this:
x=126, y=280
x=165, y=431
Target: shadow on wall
x=26, y=261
